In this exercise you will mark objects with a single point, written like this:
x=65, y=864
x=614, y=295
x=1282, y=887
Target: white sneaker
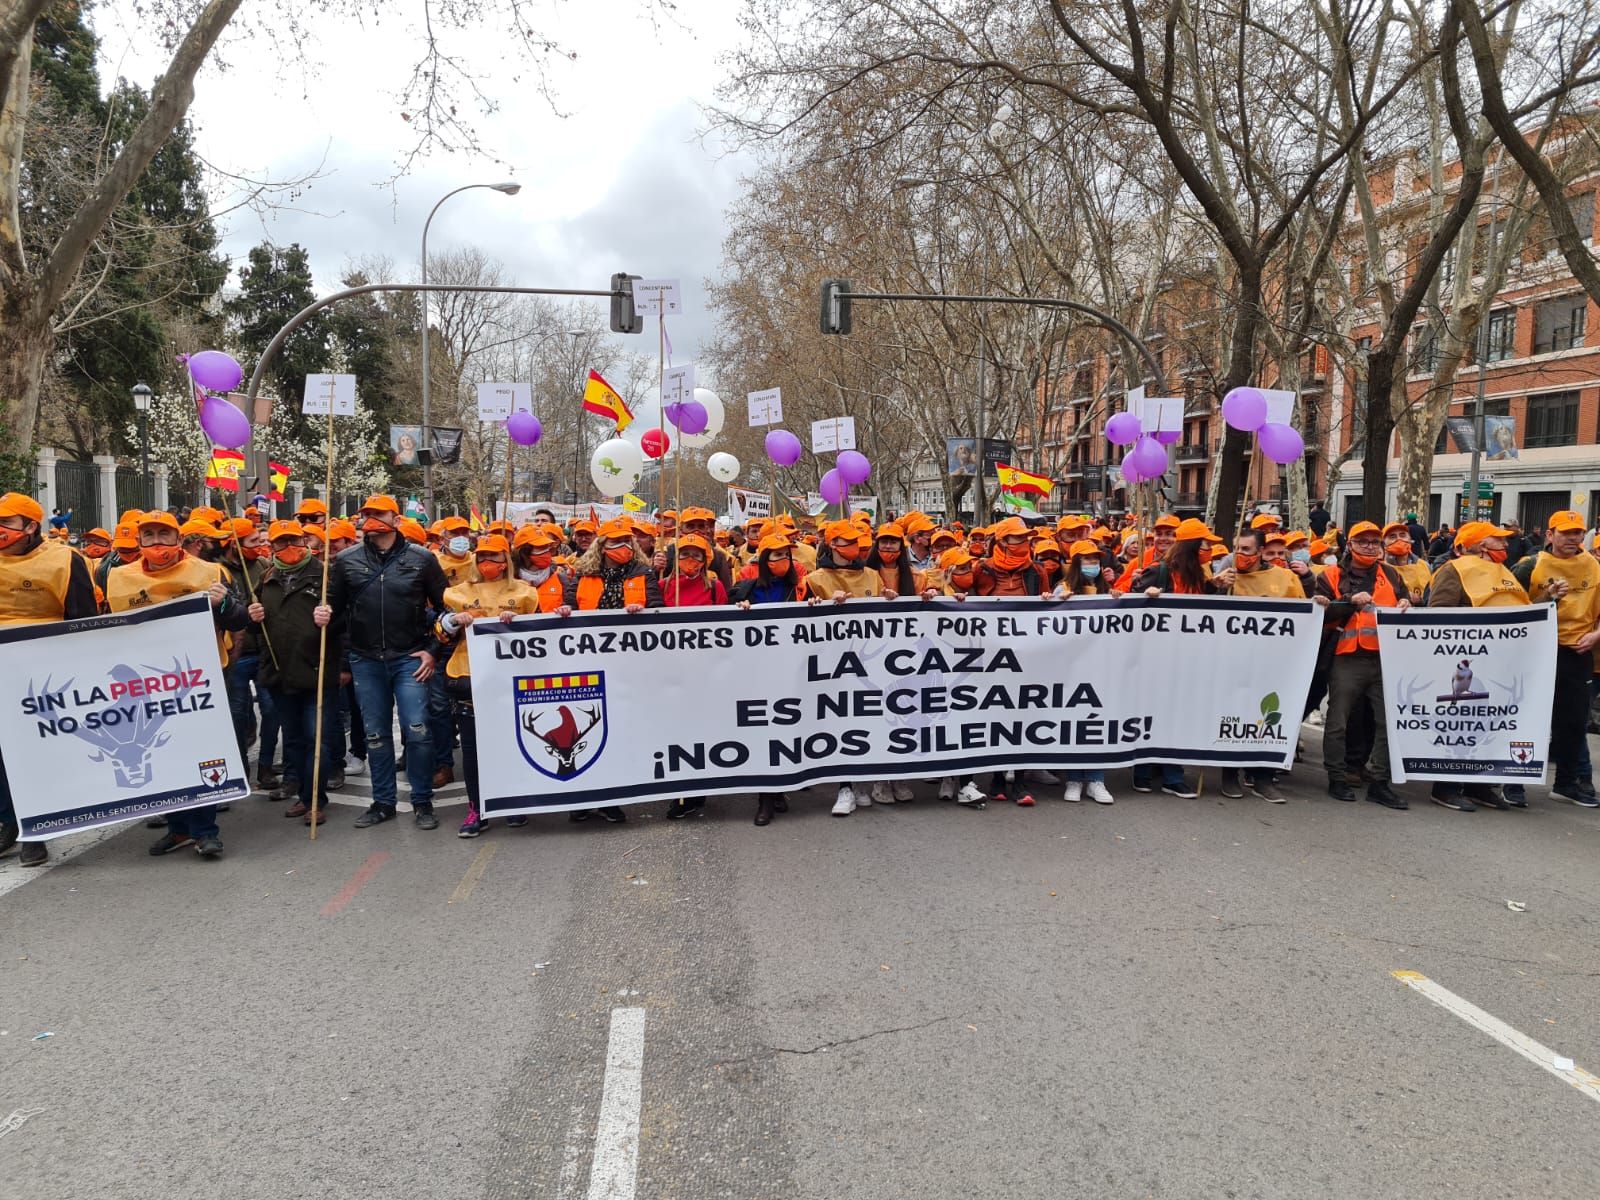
x=947, y=788
x=846, y=803
x=881, y=794
x=903, y=793
x=1074, y=791
x=971, y=793
x=354, y=765
x=1099, y=794
x=1313, y=718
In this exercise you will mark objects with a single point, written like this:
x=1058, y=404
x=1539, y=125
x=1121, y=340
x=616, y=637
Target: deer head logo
x=557, y=722
x=565, y=741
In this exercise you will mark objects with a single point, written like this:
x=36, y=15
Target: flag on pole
x=603, y=400
x=476, y=522
x=1013, y=479
x=224, y=469
x=632, y=503
x=279, y=476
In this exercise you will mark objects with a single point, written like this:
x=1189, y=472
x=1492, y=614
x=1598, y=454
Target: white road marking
x=1536, y=1053
x=13, y=876
x=616, y=1135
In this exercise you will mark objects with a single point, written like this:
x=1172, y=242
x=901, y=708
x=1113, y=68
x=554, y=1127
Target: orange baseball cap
x=1473, y=532
x=312, y=507
x=283, y=529
x=843, y=531
x=342, y=530
x=697, y=514
x=212, y=516
x=126, y=537
x=534, y=535
x=585, y=526
x=1192, y=529
x=454, y=524
x=1361, y=527
x=15, y=504
x=1567, y=521
x=1397, y=527
x=158, y=517
x=915, y=522
x=316, y=531
x=492, y=543
x=101, y=534
x=892, y=529
x=951, y=560
x=693, y=541
x=948, y=536
x=241, y=528
x=1045, y=545
x=774, y=541
x=192, y=528
x=1262, y=520
x=131, y=517
x=1084, y=548
x=1010, y=527
x=377, y=504
x=1168, y=521
x=616, y=529
x=412, y=530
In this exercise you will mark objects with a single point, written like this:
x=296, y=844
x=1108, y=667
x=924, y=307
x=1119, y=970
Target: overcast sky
x=622, y=182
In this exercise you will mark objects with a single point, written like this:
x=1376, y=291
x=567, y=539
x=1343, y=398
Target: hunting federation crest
x=561, y=722
x=214, y=772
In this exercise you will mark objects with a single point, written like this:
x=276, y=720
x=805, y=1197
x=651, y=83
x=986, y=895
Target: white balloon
x=616, y=466
x=714, y=418
x=724, y=467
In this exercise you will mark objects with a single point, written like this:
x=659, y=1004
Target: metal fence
x=134, y=490
x=78, y=492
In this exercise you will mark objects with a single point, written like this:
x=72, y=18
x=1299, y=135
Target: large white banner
x=116, y=718
x=608, y=708
x=1468, y=692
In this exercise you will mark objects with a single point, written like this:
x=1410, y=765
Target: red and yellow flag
x=1013, y=479
x=476, y=523
x=279, y=478
x=223, y=471
x=603, y=400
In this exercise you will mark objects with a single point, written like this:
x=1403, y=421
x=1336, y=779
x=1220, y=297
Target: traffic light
x=623, y=318
x=836, y=306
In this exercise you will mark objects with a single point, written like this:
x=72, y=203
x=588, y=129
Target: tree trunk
x=1417, y=437
x=1380, y=434
x=24, y=351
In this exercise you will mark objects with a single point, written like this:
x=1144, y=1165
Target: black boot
x=764, y=809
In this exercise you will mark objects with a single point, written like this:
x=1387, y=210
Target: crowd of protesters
x=400, y=595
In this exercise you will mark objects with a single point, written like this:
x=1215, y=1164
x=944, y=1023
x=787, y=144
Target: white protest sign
x=614, y=708
x=116, y=718
x=321, y=390
x=1468, y=692
x=657, y=297
x=499, y=399
x=677, y=386
x=766, y=407
x=1161, y=414
x=1280, y=406
x=746, y=505
x=834, y=433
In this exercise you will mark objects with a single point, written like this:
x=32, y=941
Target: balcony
x=1188, y=452
x=1072, y=471
x=1192, y=500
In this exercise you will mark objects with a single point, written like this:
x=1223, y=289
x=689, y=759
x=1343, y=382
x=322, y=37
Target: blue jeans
x=298, y=713
x=1085, y=776
x=240, y=676
x=441, y=723
x=1171, y=774
x=8, y=812
x=196, y=822
x=382, y=687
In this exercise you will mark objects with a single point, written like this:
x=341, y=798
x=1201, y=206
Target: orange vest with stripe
x=1361, y=631
x=590, y=588
x=550, y=593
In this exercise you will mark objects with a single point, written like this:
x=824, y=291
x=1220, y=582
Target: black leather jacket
x=383, y=603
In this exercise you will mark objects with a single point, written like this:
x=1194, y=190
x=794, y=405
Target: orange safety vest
x=591, y=586
x=1361, y=631
x=551, y=593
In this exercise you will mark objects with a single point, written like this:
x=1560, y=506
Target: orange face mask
x=10, y=537
x=1009, y=559
x=1362, y=559
x=95, y=551
x=160, y=558
x=1398, y=548
x=128, y=556
x=889, y=554
x=1495, y=556
x=962, y=581
x=620, y=554
x=1246, y=562
x=846, y=553
x=1051, y=565
x=255, y=553
x=489, y=571
x=290, y=556
x=539, y=561
x=690, y=568
x=779, y=567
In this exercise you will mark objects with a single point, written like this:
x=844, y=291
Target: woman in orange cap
x=455, y=552
x=493, y=593
x=1086, y=574
x=888, y=557
x=690, y=585
x=772, y=579
x=842, y=573
x=1047, y=553
x=533, y=551
x=956, y=571
x=1010, y=570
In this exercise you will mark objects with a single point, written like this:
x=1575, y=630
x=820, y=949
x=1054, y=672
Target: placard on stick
x=498, y=400
x=658, y=297
x=833, y=433
x=323, y=390
x=766, y=407
x=677, y=385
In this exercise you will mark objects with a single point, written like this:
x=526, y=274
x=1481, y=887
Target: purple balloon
x=1130, y=470
x=1123, y=429
x=224, y=424
x=692, y=418
x=1168, y=437
x=524, y=429
x=854, y=467
x=215, y=371
x=833, y=488
x=1281, y=443
x=1148, y=458
x=1245, y=408
x=673, y=412
x=783, y=448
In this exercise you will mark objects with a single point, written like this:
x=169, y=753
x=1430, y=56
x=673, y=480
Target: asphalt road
x=1162, y=998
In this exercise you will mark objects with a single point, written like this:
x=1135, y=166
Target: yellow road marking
x=480, y=864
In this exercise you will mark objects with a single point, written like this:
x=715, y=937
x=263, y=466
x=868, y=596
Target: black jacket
x=383, y=604
x=289, y=597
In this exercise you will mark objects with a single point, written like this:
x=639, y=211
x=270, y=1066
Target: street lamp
x=141, y=401
x=509, y=188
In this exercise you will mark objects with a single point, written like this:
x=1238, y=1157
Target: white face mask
x=1330, y=560
x=459, y=546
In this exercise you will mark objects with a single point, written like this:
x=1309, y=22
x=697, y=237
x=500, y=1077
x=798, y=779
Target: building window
x=1558, y=324
x=1582, y=208
x=1447, y=268
x=1424, y=350
x=1502, y=334
x=1552, y=420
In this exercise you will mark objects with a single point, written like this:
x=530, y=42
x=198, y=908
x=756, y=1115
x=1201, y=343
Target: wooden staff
x=661, y=411
x=322, y=648
x=510, y=451
x=249, y=588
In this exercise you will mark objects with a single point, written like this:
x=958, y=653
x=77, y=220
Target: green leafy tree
x=275, y=285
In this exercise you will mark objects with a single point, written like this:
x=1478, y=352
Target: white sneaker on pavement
x=1074, y=792
x=1099, y=794
x=971, y=793
x=947, y=788
x=881, y=794
x=354, y=765
x=846, y=803
x=903, y=792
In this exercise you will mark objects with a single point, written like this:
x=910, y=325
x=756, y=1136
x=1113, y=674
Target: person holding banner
x=1565, y=574
x=1010, y=570
x=1085, y=574
x=1397, y=549
x=773, y=580
x=456, y=561
x=1352, y=591
x=379, y=595
x=165, y=572
x=889, y=559
x=842, y=573
x=533, y=550
x=1255, y=575
x=41, y=580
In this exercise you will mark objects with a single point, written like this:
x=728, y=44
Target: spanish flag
x=477, y=524
x=1014, y=480
x=223, y=471
x=600, y=398
x=280, y=480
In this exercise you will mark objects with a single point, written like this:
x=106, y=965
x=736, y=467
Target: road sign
x=1485, y=488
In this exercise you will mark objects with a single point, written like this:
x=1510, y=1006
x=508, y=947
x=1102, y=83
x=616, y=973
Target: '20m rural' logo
x=1267, y=727
x=561, y=721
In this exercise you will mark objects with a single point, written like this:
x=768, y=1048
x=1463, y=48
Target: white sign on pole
x=834, y=433
x=657, y=297
x=1280, y=406
x=677, y=385
x=766, y=408
x=322, y=390
x=746, y=505
x=498, y=400
x=1161, y=414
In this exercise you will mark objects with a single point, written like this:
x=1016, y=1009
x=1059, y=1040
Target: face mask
x=779, y=568
x=159, y=558
x=1051, y=566
x=690, y=568
x=458, y=546
x=96, y=551
x=1398, y=549
x=10, y=537
x=256, y=553
x=374, y=528
x=847, y=554
x=889, y=554
x=1089, y=570
x=129, y=556
x=539, y=562
x=1495, y=556
x=1329, y=560
x=1363, y=560
x=620, y=554
x=290, y=557
x=490, y=571
x=1009, y=559
x=1246, y=562
x=962, y=581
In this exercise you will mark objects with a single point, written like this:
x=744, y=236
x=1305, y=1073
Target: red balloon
x=655, y=443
